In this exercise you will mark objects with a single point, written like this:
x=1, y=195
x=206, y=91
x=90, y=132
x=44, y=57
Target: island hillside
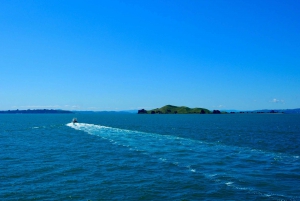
x=171, y=109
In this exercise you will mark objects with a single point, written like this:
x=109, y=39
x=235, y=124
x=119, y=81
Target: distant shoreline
x=171, y=109
x=37, y=111
x=168, y=109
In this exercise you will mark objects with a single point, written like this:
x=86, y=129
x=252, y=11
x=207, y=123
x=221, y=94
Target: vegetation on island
x=171, y=109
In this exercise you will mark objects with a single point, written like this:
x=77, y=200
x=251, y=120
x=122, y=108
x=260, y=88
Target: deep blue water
x=150, y=157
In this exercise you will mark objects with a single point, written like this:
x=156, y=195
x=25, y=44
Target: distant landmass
x=108, y=112
x=286, y=111
x=292, y=111
x=167, y=109
x=275, y=111
x=171, y=109
x=38, y=111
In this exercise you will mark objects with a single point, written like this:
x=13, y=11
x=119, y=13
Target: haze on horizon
x=125, y=55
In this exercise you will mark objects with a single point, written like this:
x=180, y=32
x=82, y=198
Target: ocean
x=150, y=157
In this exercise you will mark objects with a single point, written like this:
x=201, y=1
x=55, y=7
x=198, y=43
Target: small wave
x=229, y=183
x=192, y=170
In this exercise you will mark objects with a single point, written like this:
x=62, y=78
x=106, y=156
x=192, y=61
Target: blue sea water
x=150, y=157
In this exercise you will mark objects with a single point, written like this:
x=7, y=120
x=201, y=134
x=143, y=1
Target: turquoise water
x=150, y=157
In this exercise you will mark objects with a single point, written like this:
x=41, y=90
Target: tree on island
x=216, y=112
x=142, y=111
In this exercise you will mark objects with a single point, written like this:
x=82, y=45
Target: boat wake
x=234, y=167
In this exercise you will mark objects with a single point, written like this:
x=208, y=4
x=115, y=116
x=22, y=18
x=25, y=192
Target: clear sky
x=124, y=55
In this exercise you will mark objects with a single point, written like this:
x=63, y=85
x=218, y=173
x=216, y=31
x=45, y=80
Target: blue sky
x=124, y=55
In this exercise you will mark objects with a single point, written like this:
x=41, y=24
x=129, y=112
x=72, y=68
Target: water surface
x=150, y=157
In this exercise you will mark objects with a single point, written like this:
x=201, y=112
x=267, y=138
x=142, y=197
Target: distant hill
x=232, y=110
x=38, y=111
x=171, y=109
x=106, y=112
x=286, y=111
x=292, y=111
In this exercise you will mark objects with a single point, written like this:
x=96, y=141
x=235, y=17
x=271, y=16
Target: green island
x=171, y=109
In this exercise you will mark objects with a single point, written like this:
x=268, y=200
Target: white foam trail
x=185, y=153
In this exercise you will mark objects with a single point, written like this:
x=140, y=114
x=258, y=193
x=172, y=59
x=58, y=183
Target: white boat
x=74, y=120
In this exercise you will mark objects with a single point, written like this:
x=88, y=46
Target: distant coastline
x=167, y=109
x=171, y=109
x=37, y=111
